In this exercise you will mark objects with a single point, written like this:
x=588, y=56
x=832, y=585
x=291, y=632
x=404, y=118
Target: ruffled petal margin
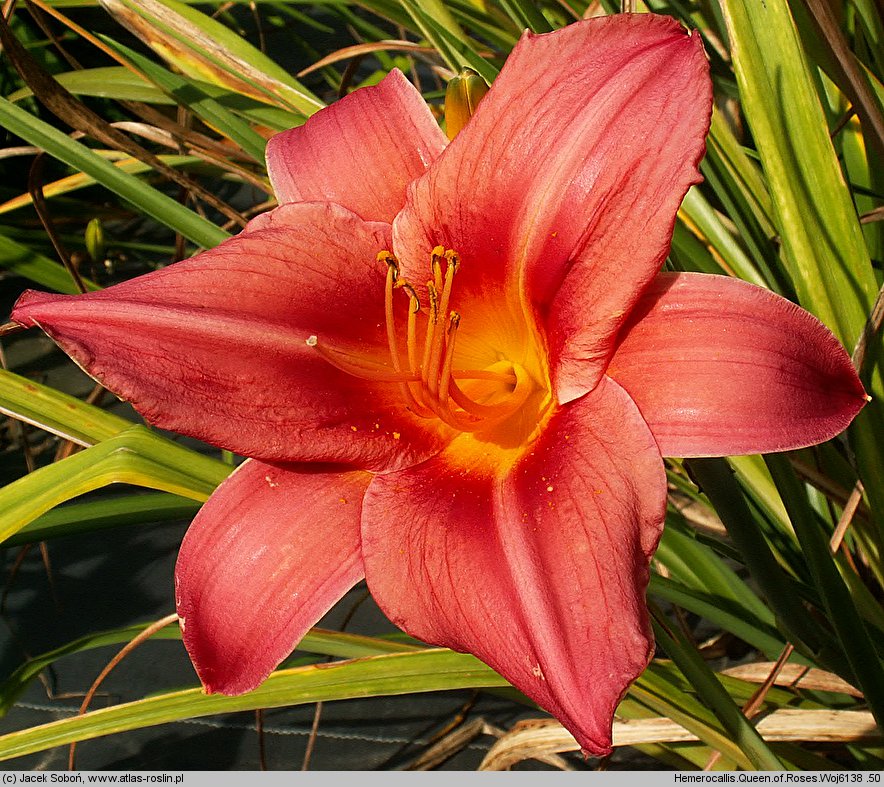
x=721, y=367
x=540, y=571
x=361, y=152
x=216, y=347
x=266, y=557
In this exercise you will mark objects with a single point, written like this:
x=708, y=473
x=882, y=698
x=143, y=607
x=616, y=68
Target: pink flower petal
x=216, y=347
x=540, y=570
x=566, y=181
x=361, y=152
x=267, y=556
x=721, y=367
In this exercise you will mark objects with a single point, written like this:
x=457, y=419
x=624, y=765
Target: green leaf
x=698, y=566
x=119, y=82
x=77, y=181
x=715, y=697
x=188, y=93
x=715, y=479
x=198, y=44
x=719, y=612
x=697, y=208
x=319, y=641
x=22, y=261
x=822, y=240
x=656, y=690
x=116, y=82
x=526, y=14
x=454, y=47
x=823, y=244
x=396, y=673
x=136, y=456
x=57, y=412
x=866, y=663
x=66, y=520
x=164, y=209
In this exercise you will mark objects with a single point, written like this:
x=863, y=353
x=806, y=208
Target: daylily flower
x=455, y=369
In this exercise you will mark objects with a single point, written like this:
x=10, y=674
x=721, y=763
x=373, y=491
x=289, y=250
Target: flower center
x=432, y=384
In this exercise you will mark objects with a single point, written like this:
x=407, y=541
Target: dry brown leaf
x=544, y=737
x=794, y=676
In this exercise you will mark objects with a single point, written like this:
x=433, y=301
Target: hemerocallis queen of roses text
x=456, y=369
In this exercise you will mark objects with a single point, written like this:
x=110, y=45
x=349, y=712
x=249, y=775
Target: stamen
x=414, y=308
x=432, y=374
x=441, y=404
x=445, y=377
x=390, y=260
x=436, y=257
x=414, y=393
x=416, y=389
x=432, y=320
x=392, y=276
x=429, y=385
x=392, y=281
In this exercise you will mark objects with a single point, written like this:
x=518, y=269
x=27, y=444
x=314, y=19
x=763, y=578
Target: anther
x=436, y=257
x=428, y=380
x=431, y=332
x=433, y=294
x=412, y=294
x=391, y=261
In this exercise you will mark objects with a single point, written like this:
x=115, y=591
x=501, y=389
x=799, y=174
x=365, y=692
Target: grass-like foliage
x=134, y=137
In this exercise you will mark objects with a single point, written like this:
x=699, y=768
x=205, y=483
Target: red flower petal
x=720, y=367
x=568, y=177
x=361, y=152
x=540, y=571
x=267, y=556
x=215, y=347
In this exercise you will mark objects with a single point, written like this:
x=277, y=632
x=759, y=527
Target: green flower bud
x=462, y=96
x=95, y=240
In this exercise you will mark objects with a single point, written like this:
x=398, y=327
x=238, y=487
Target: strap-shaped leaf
x=136, y=456
x=397, y=673
x=57, y=412
x=23, y=261
x=163, y=208
x=822, y=240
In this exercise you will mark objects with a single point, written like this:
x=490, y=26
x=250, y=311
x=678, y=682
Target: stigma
x=423, y=360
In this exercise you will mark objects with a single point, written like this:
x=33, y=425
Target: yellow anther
x=414, y=301
x=428, y=381
x=436, y=257
x=391, y=262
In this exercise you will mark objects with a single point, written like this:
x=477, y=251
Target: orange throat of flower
x=497, y=391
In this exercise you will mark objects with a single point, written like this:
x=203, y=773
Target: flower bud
x=462, y=96
x=95, y=240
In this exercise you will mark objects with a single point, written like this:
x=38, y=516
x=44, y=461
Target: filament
x=430, y=385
